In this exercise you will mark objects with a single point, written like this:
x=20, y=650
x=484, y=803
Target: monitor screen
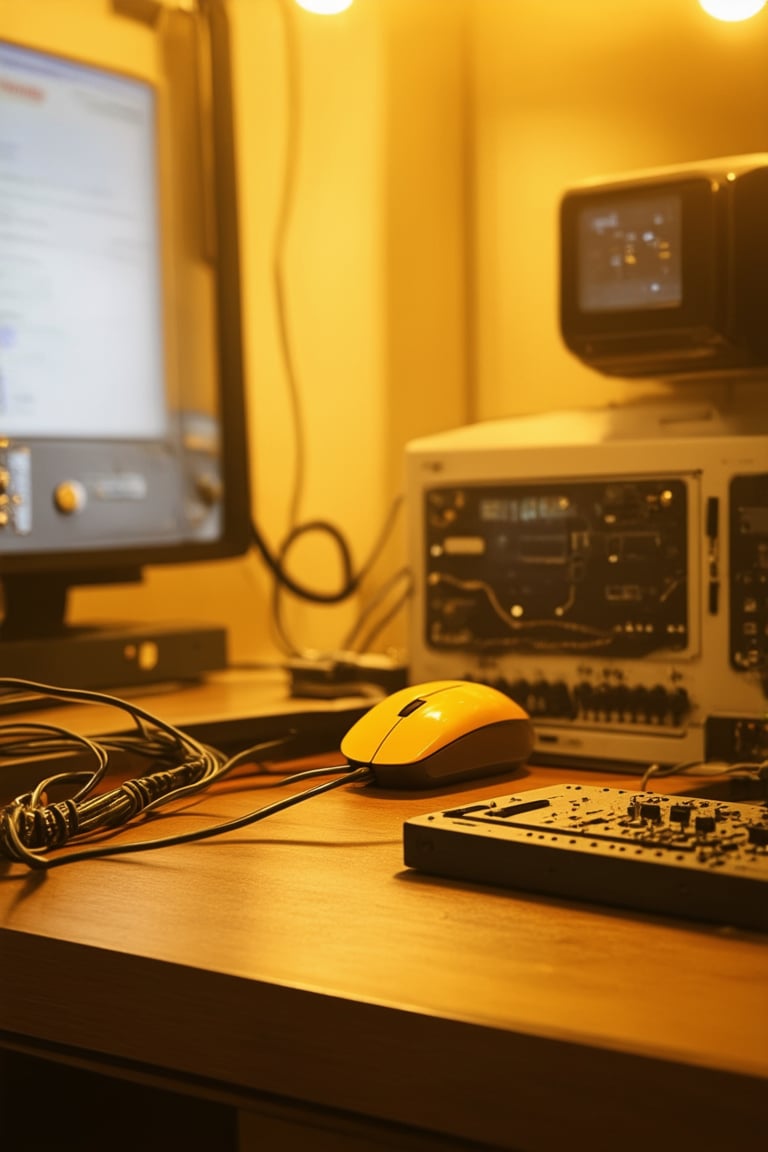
x=630, y=253
x=119, y=446
x=80, y=296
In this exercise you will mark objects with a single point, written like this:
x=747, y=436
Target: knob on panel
x=69, y=497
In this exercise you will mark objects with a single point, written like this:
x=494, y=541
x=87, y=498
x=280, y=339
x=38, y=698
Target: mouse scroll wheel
x=412, y=706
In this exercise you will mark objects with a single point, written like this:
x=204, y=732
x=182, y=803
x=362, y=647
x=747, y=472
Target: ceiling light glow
x=324, y=7
x=732, y=10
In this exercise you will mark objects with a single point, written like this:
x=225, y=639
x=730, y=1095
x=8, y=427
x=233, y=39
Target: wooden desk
x=296, y=972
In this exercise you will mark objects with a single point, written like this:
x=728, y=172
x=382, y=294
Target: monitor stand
x=37, y=644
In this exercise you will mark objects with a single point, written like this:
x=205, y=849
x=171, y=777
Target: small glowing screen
x=630, y=254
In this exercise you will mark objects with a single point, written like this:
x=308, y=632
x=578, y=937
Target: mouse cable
x=30, y=826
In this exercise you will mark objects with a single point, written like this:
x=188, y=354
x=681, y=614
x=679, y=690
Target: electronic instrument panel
x=608, y=570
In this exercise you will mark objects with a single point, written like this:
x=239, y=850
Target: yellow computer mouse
x=439, y=732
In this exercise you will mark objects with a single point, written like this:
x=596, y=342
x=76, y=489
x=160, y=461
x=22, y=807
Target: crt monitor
x=663, y=272
x=122, y=422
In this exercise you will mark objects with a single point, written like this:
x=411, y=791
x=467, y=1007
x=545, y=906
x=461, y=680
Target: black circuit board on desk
x=675, y=855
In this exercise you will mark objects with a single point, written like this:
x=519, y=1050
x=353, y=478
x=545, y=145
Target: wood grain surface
x=299, y=958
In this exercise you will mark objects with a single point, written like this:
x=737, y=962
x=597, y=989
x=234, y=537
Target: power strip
x=694, y=858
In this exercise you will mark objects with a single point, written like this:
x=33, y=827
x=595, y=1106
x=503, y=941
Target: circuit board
x=674, y=855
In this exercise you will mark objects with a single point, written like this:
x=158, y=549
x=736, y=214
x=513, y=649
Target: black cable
x=276, y=560
x=31, y=826
x=15, y=741
x=36, y=860
x=89, y=696
x=282, y=229
x=362, y=643
x=755, y=770
x=351, y=580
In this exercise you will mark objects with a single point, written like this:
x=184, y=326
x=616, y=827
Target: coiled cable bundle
x=32, y=826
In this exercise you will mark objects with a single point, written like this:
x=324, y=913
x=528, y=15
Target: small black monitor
x=122, y=417
x=666, y=273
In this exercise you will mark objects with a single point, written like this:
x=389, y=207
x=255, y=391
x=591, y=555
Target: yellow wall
x=374, y=263
x=421, y=268
x=569, y=89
